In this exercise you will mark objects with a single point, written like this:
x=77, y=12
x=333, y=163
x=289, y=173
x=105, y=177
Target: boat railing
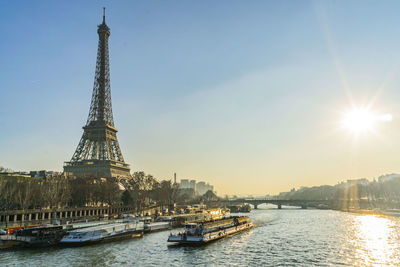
x=17, y=238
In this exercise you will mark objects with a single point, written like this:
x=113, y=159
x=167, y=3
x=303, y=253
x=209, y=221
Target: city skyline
x=239, y=95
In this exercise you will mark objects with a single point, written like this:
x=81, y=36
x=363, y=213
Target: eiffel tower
x=98, y=153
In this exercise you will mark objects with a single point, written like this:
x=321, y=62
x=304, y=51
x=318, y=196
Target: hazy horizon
x=254, y=98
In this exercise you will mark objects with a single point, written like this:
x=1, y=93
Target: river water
x=289, y=237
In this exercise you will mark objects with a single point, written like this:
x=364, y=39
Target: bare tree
x=56, y=191
x=110, y=191
x=165, y=192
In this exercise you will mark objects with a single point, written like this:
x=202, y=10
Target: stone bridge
x=322, y=204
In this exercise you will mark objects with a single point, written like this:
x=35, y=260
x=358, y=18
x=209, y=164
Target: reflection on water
x=374, y=239
x=281, y=237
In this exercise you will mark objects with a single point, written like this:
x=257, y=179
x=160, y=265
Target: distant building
x=388, y=177
x=201, y=188
x=192, y=185
x=184, y=184
x=193, y=188
x=362, y=181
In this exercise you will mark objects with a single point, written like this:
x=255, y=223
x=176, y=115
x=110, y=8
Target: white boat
x=156, y=226
x=78, y=225
x=101, y=233
x=201, y=233
x=73, y=226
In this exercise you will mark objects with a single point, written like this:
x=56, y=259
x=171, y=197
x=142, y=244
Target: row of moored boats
x=95, y=232
x=78, y=234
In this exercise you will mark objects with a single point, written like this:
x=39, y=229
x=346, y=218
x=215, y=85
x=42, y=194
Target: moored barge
x=41, y=236
x=201, y=233
x=102, y=233
x=156, y=226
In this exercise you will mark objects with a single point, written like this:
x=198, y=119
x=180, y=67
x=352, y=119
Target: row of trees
x=19, y=192
x=144, y=190
x=2, y=169
x=384, y=191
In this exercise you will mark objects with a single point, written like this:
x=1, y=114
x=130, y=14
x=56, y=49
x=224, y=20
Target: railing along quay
x=37, y=215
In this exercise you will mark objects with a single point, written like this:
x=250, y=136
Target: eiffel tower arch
x=98, y=153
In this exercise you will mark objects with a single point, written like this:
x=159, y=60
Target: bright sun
x=360, y=121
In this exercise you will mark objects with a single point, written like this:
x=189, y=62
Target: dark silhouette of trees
x=139, y=191
x=8, y=189
x=359, y=193
x=164, y=193
x=88, y=191
x=127, y=199
x=209, y=196
x=109, y=191
x=56, y=191
x=80, y=191
x=18, y=192
x=144, y=190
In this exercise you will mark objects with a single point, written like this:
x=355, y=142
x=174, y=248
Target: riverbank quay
x=383, y=212
x=65, y=215
x=37, y=216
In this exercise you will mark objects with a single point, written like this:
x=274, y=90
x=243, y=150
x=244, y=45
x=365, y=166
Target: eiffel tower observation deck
x=98, y=153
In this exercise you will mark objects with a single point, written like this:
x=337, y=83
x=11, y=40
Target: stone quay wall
x=22, y=217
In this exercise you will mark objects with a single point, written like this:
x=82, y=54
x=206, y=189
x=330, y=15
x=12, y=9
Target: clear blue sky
x=243, y=94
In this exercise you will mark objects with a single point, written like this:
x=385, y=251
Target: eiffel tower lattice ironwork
x=98, y=152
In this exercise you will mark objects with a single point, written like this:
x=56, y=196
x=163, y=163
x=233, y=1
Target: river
x=290, y=237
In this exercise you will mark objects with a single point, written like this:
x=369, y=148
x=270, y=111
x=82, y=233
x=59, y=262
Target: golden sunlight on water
x=373, y=236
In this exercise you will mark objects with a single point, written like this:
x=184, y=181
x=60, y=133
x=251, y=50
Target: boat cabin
x=193, y=228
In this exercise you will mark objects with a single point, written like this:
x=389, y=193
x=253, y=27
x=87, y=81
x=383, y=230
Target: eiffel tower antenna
x=98, y=152
x=104, y=15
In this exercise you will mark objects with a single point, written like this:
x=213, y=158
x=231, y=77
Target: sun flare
x=359, y=121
